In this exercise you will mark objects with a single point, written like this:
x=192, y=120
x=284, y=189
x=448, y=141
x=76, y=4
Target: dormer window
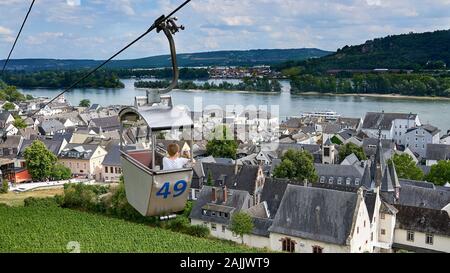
x=322, y=179
x=339, y=181
x=357, y=181
x=330, y=180
x=204, y=212
x=348, y=180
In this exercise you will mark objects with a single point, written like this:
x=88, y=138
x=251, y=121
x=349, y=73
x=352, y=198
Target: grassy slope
x=33, y=229
x=16, y=199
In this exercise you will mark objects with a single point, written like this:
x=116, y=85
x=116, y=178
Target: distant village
x=353, y=206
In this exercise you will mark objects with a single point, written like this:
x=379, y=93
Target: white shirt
x=170, y=164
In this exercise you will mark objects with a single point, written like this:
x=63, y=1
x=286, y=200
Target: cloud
x=42, y=38
x=98, y=28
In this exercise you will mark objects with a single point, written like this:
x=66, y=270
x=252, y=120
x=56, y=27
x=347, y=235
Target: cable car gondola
x=151, y=190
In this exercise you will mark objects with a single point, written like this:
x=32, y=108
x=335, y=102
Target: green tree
x=29, y=97
x=406, y=168
x=8, y=106
x=298, y=165
x=241, y=224
x=39, y=160
x=349, y=149
x=222, y=143
x=61, y=172
x=19, y=123
x=4, y=187
x=440, y=173
x=85, y=103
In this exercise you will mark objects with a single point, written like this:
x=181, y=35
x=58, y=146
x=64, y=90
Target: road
x=32, y=186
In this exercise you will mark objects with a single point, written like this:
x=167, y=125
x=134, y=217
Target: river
x=435, y=112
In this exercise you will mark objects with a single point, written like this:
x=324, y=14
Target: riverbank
x=386, y=96
x=218, y=90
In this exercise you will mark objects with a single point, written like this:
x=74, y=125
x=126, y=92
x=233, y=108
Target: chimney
x=213, y=195
x=225, y=194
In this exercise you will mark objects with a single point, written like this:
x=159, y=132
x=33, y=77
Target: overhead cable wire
x=17, y=37
x=153, y=27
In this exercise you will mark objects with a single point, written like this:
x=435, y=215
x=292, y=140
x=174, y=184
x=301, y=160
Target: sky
x=96, y=29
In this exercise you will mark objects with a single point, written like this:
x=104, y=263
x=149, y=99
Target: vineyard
x=53, y=229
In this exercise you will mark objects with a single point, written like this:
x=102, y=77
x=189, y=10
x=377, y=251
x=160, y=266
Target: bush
x=79, y=196
x=179, y=224
x=197, y=231
x=41, y=202
x=4, y=188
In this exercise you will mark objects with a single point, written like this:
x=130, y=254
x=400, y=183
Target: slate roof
x=81, y=151
x=53, y=145
x=422, y=184
x=246, y=178
x=236, y=201
x=423, y=197
x=316, y=214
x=261, y=226
x=258, y=211
x=335, y=171
x=11, y=142
x=113, y=156
x=375, y=120
x=370, y=145
x=106, y=123
x=348, y=122
x=224, y=174
x=272, y=194
x=438, y=152
x=427, y=127
x=331, y=128
x=52, y=125
x=346, y=134
x=370, y=198
x=423, y=220
x=350, y=160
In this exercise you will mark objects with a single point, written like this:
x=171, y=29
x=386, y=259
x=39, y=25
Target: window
x=364, y=223
x=357, y=181
x=326, y=152
x=339, y=181
x=204, y=212
x=371, y=236
x=213, y=226
x=330, y=180
x=357, y=230
x=224, y=228
x=225, y=215
x=382, y=216
x=383, y=232
x=322, y=179
x=429, y=239
x=317, y=249
x=288, y=245
x=348, y=180
x=410, y=236
x=111, y=169
x=213, y=213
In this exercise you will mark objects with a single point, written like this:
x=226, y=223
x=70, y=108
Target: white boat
x=328, y=115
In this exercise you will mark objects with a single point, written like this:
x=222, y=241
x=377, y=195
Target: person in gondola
x=174, y=161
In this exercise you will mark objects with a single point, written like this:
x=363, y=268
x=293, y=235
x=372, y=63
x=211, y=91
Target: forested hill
x=216, y=58
x=428, y=50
